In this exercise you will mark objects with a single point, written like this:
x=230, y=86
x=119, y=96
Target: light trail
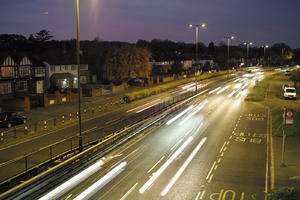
x=142, y=106
x=179, y=115
x=72, y=182
x=198, y=108
x=86, y=194
x=183, y=167
x=232, y=93
x=214, y=90
x=156, y=174
x=222, y=90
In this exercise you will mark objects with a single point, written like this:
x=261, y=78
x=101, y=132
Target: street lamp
x=197, y=26
x=78, y=72
x=228, y=44
x=248, y=44
x=265, y=47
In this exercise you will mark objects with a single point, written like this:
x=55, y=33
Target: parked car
x=290, y=93
x=9, y=119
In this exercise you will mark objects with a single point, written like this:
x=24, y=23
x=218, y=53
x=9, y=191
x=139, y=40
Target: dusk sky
x=258, y=21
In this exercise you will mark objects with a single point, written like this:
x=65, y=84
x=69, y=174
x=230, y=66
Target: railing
x=44, y=126
x=63, y=151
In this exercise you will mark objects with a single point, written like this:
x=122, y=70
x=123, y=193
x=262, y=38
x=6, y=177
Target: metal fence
x=68, y=147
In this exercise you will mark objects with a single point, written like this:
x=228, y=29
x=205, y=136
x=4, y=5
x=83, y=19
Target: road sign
x=288, y=117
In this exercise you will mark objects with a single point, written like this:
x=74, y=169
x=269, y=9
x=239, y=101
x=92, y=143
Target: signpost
x=288, y=118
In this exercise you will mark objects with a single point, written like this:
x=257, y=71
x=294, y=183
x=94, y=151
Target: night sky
x=258, y=21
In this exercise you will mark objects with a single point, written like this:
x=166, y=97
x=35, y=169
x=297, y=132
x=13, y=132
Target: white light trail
x=86, y=194
x=238, y=94
x=237, y=86
x=183, y=167
x=147, y=107
x=232, y=93
x=198, y=108
x=222, y=90
x=156, y=174
x=72, y=182
x=139, y=107
x=179, y=115
x=214, y=90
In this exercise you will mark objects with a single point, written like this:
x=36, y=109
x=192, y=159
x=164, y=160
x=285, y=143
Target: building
x=65, y=76
x=21, y=75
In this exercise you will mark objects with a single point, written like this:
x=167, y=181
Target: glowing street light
x=197, y=26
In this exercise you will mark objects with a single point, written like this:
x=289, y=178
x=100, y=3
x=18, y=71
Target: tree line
x=122, y=60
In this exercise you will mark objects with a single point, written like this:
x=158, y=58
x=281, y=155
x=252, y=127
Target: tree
x=43, y=36
x=127, y=61
x=211, y=49
x=285, y=194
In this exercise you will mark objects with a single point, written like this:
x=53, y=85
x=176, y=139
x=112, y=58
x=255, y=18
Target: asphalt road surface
x=213, y=148
x=96, y=128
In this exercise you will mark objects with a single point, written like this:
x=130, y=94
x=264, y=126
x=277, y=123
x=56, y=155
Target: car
x=9, y=119
x=290, y=93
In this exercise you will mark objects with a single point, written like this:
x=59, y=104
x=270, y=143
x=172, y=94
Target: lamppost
x=265, y=47
x=78, y=72
x=228, y=44
x=247, y=44
x=197, y=26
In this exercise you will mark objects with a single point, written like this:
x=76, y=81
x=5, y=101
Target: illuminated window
x=7, y=72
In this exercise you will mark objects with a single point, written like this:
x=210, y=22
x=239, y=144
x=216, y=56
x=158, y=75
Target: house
x=21, y=75
x=65, y=76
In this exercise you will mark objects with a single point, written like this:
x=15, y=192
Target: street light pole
x=228, y=44
x=78, y=73
x=265, y=46
x=196, y=53
x=247, y=44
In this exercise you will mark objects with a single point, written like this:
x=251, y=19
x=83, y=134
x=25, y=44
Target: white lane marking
x=111, y=121
x=212, y=167
x=86, y=194
x=155, y=164
x=219, y=160
x=222, y=147
x=176, y=144
x=183, y=167
x=164, y=166
x=89, y=130
x=129, y=191
x=272, y=157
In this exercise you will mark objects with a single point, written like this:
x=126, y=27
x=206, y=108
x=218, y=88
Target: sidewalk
x=288, y=176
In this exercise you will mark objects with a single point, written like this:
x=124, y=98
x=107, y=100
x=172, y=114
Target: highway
x=212, y=148
x=95, y=128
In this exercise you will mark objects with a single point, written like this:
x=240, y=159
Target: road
x=215, y=149
x=95, y=128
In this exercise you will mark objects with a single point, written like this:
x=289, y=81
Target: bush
x=163, y=87
x=285, y=194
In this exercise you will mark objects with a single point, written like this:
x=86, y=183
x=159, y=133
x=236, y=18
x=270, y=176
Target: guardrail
x=37, y=184
x=44, y=126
